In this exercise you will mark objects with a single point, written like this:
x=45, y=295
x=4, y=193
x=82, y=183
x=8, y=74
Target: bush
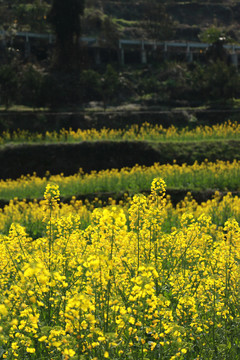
x=8, y=84
x=220, y=81
x=90, y=82
x=110, y=85
x=61, y=89
x=32, y=87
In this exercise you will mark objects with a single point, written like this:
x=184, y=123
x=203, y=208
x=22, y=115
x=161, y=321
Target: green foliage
x=96, y=23
x=31, y=15
x=61, y=89
x=220, y=81
x=157, y=23
x=32, y=87
x=109, y=85
x=214, y=82
x=90, y=81
x=8, y=84
x=92, y=21
x=213, y=34
x=110, y=32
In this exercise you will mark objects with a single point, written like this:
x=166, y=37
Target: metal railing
x=95, y=41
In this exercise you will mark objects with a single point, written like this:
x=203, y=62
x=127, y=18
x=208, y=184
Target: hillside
x=189, y=18
x=150, y=76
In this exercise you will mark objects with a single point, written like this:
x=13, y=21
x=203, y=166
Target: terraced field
x=104, y=263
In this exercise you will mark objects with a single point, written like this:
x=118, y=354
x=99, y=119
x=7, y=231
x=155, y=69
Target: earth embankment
x=23, y=159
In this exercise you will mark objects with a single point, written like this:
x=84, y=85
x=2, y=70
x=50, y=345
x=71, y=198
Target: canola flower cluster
x=207, y=175
x=228, y=130
x=122, y=287
x=30, y=214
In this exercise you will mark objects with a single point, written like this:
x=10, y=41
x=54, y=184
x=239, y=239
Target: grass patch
x=21, y=108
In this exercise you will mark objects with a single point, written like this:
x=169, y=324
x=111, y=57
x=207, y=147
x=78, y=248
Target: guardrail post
x=121, y=54
x=189, y=55
x=143, y=54
x=97, y=56
x=4, y=42
x=27, y=46
x=234, y=57
x=165, y=50
x=50, y=39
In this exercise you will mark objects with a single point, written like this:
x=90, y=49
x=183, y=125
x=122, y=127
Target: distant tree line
x=169, y=83
x=66, y=79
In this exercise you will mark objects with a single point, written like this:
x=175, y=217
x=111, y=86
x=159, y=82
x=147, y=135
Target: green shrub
x=90, y=82
x=8, y=85
x=220, y=81
x=110, y=85
x=32, y=87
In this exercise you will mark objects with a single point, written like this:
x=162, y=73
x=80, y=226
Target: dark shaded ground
x=17, y=160
x=43, y=121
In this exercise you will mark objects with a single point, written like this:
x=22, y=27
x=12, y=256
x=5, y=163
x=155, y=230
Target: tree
x=31, y=89
x=110, y=85
x=66, y=22
x=220, y=81
x=217, y=38
x=8, y=84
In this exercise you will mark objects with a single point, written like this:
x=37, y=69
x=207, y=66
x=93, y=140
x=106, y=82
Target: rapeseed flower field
x=221, y=175
x=116, y=282
x=30, y=214
x=145, y=132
